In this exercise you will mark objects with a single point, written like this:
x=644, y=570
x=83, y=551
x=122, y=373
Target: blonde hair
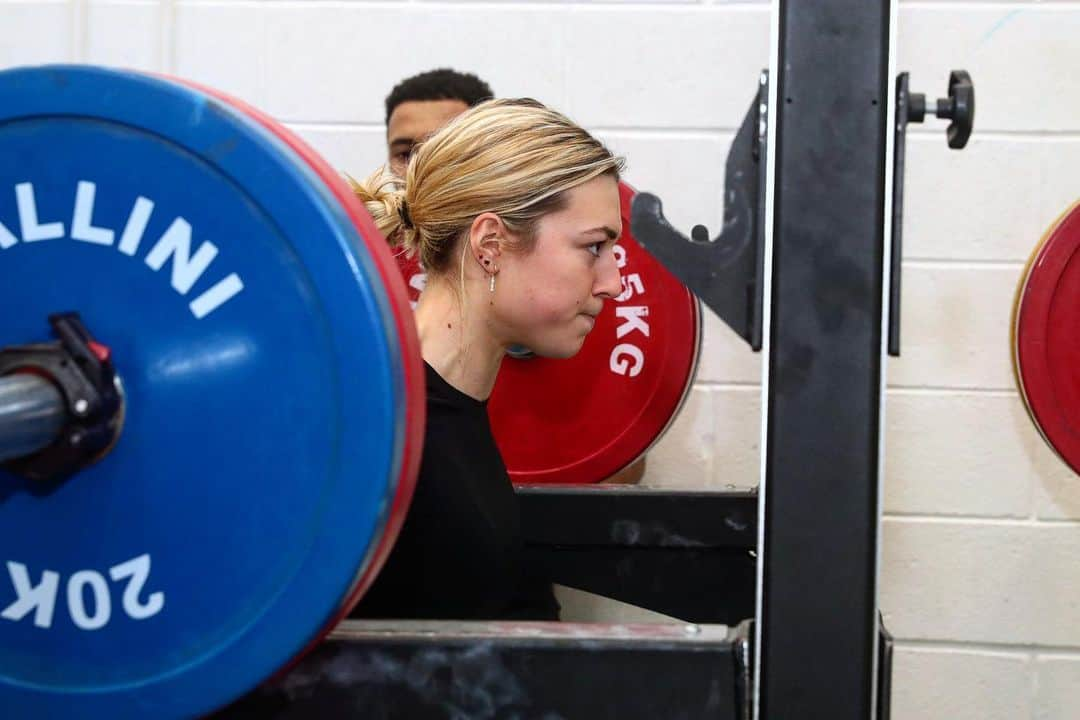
x=515, y=158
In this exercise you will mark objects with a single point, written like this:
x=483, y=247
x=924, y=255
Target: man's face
x=412, y=122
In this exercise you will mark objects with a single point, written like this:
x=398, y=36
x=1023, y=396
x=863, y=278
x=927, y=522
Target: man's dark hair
x=440, y=84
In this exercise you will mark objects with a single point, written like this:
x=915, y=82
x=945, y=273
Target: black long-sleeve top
x=460, y=553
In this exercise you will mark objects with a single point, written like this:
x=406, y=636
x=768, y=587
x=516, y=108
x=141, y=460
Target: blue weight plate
x=262, y=372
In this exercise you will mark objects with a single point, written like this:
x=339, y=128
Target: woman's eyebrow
x=611, y=233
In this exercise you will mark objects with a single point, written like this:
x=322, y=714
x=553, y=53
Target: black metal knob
x=958, y=107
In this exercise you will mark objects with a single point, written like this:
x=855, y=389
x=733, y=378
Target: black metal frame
x=818, y=615
x=903, y=98
x=726, y=272
x=690, y=555
x=418, y=669
x=543, y=671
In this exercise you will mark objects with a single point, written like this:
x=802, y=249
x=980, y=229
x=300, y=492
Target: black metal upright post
x=818, y=554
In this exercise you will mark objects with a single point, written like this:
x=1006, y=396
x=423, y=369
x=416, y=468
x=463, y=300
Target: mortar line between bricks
x=940, y=391
x=907, y=390
x=968, y=264
x=1028, y=650
x=728, y=385
x=228, y=3
x=934, y=133
x=758, y=6
x=954, y=389
x=982, y=5
x=1004, y=522
x=1068, y=653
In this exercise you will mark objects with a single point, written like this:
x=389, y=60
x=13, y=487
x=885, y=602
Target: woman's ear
x=486, y=238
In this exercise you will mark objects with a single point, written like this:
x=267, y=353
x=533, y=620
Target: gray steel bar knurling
x=32, y=413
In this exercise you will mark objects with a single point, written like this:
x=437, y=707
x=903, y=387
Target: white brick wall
x=36, y=32
x=977, y=579
x=935, y=684
x=982, y=534
x=124, y=32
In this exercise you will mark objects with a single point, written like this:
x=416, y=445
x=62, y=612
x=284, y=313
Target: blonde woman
x=514, y=211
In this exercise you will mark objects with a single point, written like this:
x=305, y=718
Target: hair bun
x=383, y=195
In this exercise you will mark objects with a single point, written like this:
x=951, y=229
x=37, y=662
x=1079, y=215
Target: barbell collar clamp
x=88, y=398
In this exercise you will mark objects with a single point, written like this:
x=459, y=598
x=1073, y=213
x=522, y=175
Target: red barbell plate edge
x=669, y=397
x=415, y=395
x=690, y=377
x=1030, y=322
x=688, y=386
x=686, y=373
x=638, y=439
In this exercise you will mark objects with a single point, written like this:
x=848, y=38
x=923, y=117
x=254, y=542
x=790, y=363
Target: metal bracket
x=726, y=272
x=959, y=107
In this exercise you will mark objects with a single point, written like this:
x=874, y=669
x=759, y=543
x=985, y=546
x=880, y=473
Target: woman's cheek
x=527, y=310
x=544, y=312
x=559, y=305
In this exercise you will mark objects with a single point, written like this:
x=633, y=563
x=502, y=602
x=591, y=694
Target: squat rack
x=781, y=584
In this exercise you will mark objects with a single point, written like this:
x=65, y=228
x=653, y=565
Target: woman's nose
x=608, y=281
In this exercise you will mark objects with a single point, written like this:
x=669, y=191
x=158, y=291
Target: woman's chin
x=571, y=349
x=559, y=351
x=560, y=345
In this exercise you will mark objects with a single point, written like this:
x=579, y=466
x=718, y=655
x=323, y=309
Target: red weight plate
x=415, y=405
x=582, y=420
x=1046, y=339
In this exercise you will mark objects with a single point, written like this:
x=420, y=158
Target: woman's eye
x=595, y=248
